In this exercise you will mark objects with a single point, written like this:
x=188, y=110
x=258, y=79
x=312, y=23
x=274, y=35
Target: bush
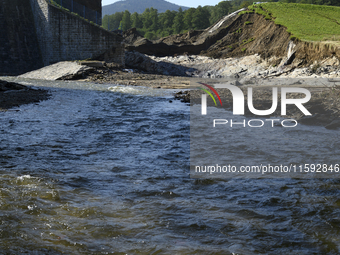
x=315, y=68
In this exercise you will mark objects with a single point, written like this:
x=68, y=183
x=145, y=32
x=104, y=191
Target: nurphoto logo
x=238, y=105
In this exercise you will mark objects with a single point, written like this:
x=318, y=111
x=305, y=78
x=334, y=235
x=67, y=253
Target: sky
x=188, y=3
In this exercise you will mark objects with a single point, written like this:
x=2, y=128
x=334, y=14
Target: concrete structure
x=37, y=34
x=18, y=41
x=95, y=7
x=88, y=9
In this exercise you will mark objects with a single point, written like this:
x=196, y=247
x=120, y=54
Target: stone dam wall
x=19, y=51
x=36, y=33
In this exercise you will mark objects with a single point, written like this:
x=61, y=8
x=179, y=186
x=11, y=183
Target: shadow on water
x=106, y=171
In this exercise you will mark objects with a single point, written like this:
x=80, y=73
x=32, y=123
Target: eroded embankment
x=237, y=36
x=316, y=52
x=249, y=34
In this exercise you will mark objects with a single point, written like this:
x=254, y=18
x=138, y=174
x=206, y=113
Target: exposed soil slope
x=250, y=34
x=236, y=36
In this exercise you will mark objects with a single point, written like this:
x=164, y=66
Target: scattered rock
x=184, y=96
x=146, y=63
x=14, y=94
x=310, y=120
x=92, y=63
x=6, y=86
x=334, y=124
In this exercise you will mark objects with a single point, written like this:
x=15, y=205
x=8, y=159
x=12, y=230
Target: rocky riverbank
x=242, y=72
x=184, y=72
x=13, y=95
x=173, y=71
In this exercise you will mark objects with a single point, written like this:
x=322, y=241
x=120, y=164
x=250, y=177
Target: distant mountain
x=140, y=6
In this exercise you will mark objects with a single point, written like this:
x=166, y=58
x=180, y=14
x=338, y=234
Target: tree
x=126, y=20
x=105, y=22
x=245, y=4
x=111, y=22
x=154, y=19
x=146, y=18
x=136, y=20
x=220, y=10
x=188, y=16
x=168, y=19
x=178, y=21
x=150, y=35
x=200, y=18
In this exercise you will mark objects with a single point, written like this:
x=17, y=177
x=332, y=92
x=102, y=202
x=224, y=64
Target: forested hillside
x=139, y=6
x=153, y=24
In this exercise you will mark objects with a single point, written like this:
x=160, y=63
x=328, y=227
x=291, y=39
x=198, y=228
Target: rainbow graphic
x=209, y=93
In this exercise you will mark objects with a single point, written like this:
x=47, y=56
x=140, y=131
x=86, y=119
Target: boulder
x=334, y=124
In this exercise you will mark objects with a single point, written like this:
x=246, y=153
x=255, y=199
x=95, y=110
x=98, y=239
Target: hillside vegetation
x=140, y=6
x=304, y=21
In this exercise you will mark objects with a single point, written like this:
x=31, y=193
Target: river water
x=104, y=169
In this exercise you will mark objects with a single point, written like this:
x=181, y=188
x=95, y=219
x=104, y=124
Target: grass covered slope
x=304, y=21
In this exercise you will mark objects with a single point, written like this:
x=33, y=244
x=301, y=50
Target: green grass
x=245, y=12
x=304, y=21
x=248, y=23
x=244, y=42
x=238, y=31
x=259, y=10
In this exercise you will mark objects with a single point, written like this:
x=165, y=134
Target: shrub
x=244, y=42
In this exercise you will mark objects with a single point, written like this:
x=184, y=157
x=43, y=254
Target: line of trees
x=153, y=25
